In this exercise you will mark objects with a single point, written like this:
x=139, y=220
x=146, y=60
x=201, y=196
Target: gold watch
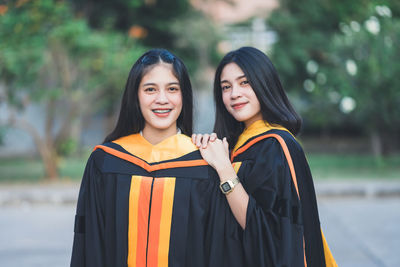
x=228, y=185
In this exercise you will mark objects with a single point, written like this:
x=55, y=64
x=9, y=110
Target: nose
x=162, y=97
x=235, y=92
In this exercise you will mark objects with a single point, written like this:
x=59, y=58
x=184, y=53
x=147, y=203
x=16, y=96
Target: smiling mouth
x=161, y=112
x=238, y=105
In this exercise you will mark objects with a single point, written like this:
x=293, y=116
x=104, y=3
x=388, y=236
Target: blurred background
x=64, y=64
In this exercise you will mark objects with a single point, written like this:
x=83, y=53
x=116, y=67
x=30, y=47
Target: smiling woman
x=160, y=101
x=158, y=83
x=262, y=168
x=147, y=197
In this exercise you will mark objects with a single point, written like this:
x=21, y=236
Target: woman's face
x=238, y=96
x=160, y=98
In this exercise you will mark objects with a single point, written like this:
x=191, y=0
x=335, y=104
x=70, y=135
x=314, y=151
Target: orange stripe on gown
x=166, y=219
x=138, y=220
x=155, y=219
x=160, y=221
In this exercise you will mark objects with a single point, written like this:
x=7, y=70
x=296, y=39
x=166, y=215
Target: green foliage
x=312, y=55
x=366, y=56
x=54, y=59
x=173, y=25
x=49, y=53
x=305, y=30
x=68, y=147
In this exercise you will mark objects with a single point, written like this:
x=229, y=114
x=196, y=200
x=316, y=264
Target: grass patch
x=32, y=170
x=323, y=166
x=354, y=167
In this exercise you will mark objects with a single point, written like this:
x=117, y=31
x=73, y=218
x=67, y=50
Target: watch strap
x=231, y=182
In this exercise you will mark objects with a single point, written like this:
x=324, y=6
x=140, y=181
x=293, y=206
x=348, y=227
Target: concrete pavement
x=359, y=219
x=67, y=192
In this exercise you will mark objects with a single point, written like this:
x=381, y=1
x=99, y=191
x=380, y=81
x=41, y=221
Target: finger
x=194, y=138
x=226, y=144
x=197, y=140
x=213, y=137
x=205, y=140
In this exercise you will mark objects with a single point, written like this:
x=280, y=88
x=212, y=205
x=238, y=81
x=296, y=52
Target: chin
x=240, y=118
x=163, y=126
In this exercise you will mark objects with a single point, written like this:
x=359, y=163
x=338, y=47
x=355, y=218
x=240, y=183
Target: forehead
x=161, y=72
x=231, y=72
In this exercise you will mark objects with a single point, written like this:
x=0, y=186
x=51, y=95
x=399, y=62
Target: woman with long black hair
x=262, y=168
x=147, y=197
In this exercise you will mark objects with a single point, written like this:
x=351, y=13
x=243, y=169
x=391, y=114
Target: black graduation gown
x=282, y=222
x=144, y=205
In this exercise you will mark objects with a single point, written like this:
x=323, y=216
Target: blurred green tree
x=174, y=25
x=51, y=58
x=366, y=55
x=310, y=57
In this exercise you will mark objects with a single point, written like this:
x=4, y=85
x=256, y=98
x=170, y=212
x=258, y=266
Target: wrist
x=228, y=186
x=226, y=172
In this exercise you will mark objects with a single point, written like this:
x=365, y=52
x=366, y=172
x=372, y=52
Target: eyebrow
x=173, y=83
x=238, y=78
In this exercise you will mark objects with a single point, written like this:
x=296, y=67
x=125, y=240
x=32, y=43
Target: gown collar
x=170, y=148
x=256, y=128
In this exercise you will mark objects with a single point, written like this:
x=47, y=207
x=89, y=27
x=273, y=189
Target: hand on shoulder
x=214, y=150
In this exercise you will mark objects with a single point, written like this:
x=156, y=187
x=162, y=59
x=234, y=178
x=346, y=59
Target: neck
x=250, y=121
x=155, y=136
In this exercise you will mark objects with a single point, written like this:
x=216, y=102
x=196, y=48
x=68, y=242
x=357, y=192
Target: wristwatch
x=228, y=185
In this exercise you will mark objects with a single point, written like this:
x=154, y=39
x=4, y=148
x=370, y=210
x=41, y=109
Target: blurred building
x=241, y=21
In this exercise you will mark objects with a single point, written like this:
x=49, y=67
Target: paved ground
x=362, y=232
x=362, y=229
x=36, y=236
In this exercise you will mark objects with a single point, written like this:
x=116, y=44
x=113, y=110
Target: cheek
x=176, y=99
x=144, y=99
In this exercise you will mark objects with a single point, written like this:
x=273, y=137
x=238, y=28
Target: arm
x=273, y=232
x=216, y=153
x=238, y=199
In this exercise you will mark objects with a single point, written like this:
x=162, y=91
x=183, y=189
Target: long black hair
x=264, y=79
x=131, y=119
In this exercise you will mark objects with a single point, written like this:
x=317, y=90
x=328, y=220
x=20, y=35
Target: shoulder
x=272, y=141
x=185, y=142
x=96, y=158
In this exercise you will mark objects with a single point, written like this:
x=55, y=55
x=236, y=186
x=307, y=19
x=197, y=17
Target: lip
x=239, y=105
x=162, y=112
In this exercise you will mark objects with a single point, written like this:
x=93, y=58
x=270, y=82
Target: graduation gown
x=152, y=205
x=282, y=222
x=160, y=205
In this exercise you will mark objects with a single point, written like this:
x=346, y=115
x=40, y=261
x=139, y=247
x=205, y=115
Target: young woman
x=262, y=168
x=147, y=197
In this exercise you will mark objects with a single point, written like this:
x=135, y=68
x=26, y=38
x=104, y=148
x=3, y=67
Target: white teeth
x=161, y=111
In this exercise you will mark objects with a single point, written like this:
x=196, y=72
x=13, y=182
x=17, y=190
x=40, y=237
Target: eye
x=150, y=90
x=225, y=87
x=244, y=82
x=173, y=89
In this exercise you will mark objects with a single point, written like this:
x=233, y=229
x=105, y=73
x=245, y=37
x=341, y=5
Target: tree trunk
x=377, y=146
x=50, y=162
x=46, y=151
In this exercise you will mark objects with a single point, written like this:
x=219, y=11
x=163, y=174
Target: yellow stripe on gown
x=329, y=260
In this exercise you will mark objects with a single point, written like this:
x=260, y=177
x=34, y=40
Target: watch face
x=226, y=187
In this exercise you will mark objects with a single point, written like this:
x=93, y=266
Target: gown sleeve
x=88, y=246
x=273, y=235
